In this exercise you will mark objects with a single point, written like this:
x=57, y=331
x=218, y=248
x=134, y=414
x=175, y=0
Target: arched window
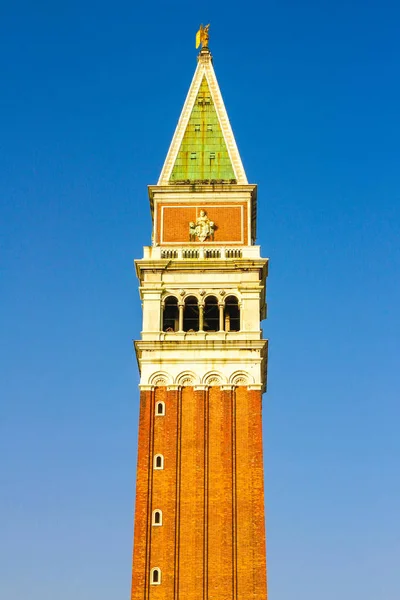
x=158, y=462
x=160, y=409
x=170, y=314
x=155, y=576
x=191, y=314
x=232, y=314
x=211, y=314
x=157, y=518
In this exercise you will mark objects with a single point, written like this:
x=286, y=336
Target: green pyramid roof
x=203, y=155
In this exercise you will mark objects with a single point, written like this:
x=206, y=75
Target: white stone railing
x=200, y=252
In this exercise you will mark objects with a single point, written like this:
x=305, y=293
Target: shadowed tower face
x=199, y=516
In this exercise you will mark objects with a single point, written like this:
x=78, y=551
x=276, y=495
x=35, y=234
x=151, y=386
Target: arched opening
x=191, y=314
x=160, y=409
x=232, y=314
x=156, y=576
x=170, y=314
x=211, y=314
x=157, y=517
x=158, y=462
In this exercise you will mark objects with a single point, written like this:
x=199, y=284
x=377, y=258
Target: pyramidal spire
x=203, y=148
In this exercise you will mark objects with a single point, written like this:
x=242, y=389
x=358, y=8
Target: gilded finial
x=202, y=36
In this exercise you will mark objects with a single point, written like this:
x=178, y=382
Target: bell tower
x=199, y=516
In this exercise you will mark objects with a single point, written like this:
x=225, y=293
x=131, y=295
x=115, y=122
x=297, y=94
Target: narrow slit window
x=212, y=155
x=197, y=127
x=157, y=518
x=193, y=156
x=209, y=127
x=155, y=576
x=158, y=462
x=160, y=409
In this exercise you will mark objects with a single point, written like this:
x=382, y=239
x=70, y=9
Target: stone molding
x=209, y=379
x=160, y=378
x=200, y=388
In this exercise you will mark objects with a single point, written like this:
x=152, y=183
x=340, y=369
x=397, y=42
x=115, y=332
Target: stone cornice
x=209, y=264
x=202, y=188
x=168, y=345
x=199, y=362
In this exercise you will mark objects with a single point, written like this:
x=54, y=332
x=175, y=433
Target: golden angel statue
x=202, y=36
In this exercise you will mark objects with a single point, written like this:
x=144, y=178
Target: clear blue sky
x=90, y=96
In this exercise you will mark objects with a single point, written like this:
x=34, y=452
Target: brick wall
x=212, y=541
x=230, y=221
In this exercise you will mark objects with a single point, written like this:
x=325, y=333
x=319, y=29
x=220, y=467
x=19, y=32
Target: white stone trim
x=156, y=412
x=155, y=467
x=204, y=68
x=201, y=298
x=213, y=378
x=154, y=253
x=201, y=365
x=225, y=124
x=241, y=378
x=181, y=126
x=160, y=378
x=153, y=517
x=152, y=582
x=186, y=378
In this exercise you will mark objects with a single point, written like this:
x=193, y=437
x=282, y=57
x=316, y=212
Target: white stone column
x=201, y=316
x=221, y=315
x=181, y=307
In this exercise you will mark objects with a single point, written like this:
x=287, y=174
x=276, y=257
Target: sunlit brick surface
x=212, y=541
x=191, y=530
x=250, y=496
x=230, y=220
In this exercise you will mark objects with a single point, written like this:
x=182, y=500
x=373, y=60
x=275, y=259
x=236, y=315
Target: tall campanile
x=199, y=518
